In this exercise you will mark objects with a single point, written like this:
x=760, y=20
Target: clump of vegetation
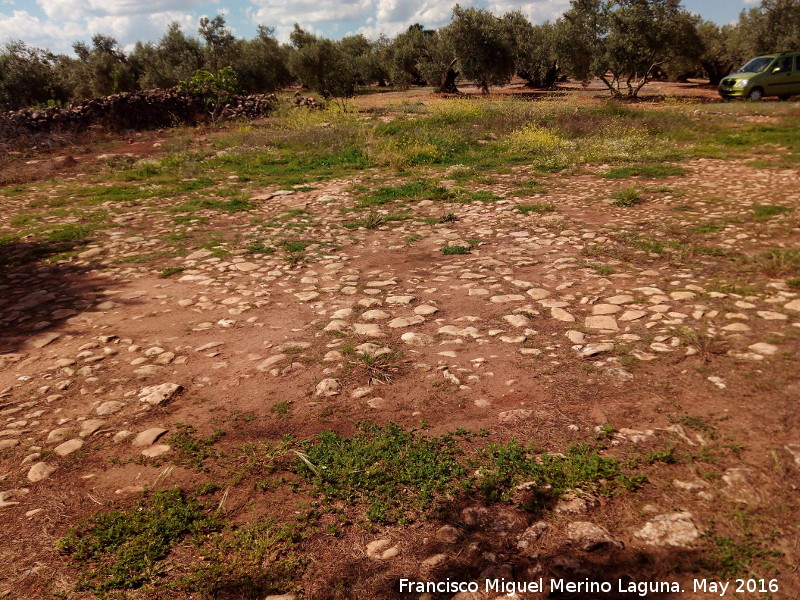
x=190, y=450
x=125, y=549
x=627, y=197
x=508, y=465
x=170, y=271
x=396, y=473
x=401, y=475
x=447, y=249
x=539, y=208
x=763, y=212
x=247, y=562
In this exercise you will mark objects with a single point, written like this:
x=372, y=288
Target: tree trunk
x=551, y=75
x=448, y=82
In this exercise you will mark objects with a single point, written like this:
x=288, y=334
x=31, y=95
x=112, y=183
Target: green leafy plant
x=125, y=549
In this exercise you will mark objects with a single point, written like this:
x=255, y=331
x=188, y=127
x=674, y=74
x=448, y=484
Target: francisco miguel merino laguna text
x=640, y=588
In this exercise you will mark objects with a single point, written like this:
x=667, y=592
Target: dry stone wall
x=148, y=109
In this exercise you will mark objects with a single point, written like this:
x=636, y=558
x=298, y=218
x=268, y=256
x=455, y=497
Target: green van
x=768, y=75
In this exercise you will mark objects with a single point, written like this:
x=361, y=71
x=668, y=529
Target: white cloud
x=37, y=32
x=77, y=9
x=537, y=11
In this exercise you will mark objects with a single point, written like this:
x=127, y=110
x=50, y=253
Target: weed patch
x=540, y=208
x=627, y=197
x=125, y=549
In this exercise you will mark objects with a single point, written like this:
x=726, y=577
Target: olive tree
x=261, y=63
x=174, y=58
x=621, y=42
x=437, y=64
x=535, y=57
x=402, y=55
x=100, y=69
x=482, y=45
x=29, y=76
x=773, y=26
x=325, y=68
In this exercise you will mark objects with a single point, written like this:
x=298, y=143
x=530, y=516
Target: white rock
x=576, y=337
x=40, y=471
x=367, y=329
x=605, y=309
x=328, y=387
x=68, y=447
x=157, y=450
x=517, y=320
x=416, y=339
x=763, y=348
x=507, y=298
x=538, y=293
x=561, y=315
x=675, y=529
x=270, y=362
x=159, y=394
x=602, y=322
x=594, y=349
x=148, y=437
x=375, y=315
x=406, y=321
x=109, y=408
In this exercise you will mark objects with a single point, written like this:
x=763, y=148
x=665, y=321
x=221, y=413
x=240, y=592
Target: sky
x=56, y=24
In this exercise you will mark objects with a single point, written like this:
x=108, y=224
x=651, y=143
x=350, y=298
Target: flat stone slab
x=40, y=471
x=675, y=530
x=602, y=322
x=68, y=447
x=148, y=437
x=159, y=394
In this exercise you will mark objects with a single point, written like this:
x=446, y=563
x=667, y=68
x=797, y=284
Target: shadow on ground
x=38, y=294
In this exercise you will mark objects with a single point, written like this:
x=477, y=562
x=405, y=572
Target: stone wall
x=150, y=109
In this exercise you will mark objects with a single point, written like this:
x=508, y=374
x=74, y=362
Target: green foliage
x=395, y=472
x=29, y=76
x=745, y=550
x=534, y=47
x=763, y=212
x=215, y=88
x=247, y=562
x=168, y=272
x=536, y=207
x=175, y=58
x=622, y=42
x=191, y=450
x=99, y=70
x=483, y=46
x=324, y=67
x=627, y=197
x=508, y=465
x=448, y=249
x=124, y=549
x=403, y=55
x=422, y=189
x=767, y=28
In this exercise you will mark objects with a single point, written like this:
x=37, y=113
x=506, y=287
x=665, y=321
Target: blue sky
x=55, y=24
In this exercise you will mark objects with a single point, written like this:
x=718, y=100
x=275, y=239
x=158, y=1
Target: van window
x=783, y=65
x=757, y=65
x=797, y=63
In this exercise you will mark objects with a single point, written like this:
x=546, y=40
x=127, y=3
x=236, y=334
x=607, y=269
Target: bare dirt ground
x=552, y=326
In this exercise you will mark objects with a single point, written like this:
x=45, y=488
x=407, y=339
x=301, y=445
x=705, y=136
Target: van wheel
x=756, y=94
